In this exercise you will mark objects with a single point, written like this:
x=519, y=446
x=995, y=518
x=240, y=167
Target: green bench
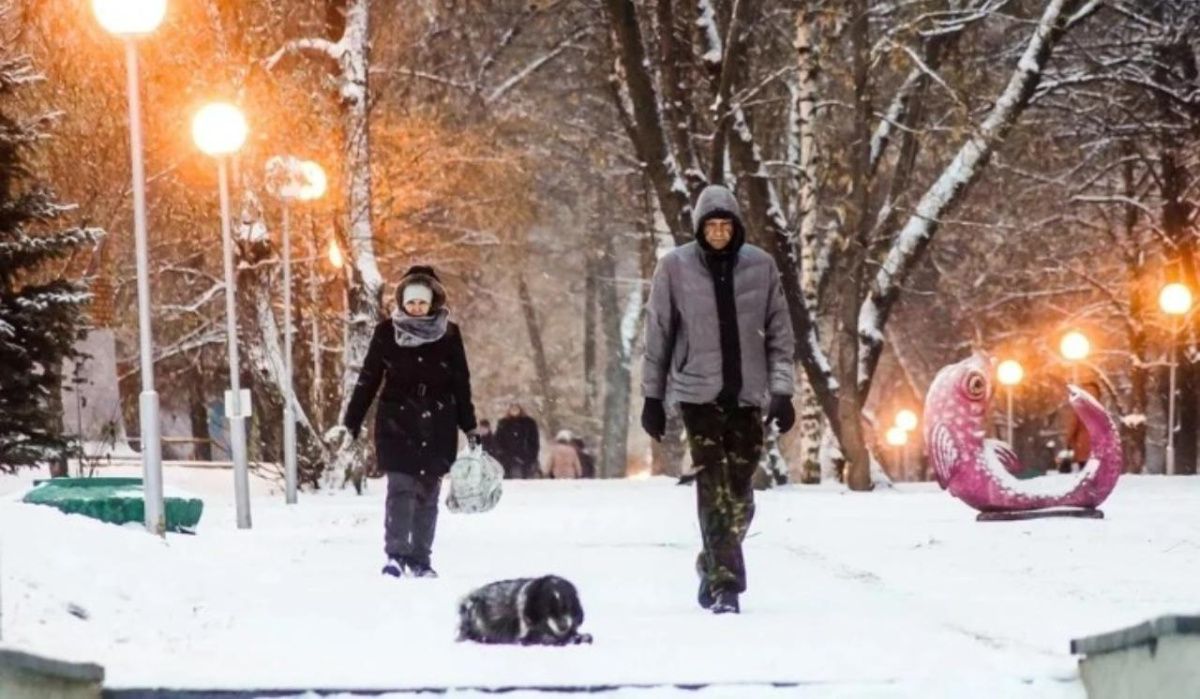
x=113, y=500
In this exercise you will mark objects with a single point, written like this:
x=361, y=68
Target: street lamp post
x=1175, y=300
x=898, y=437
x=219, y=130
x=130, y=19
x=315, y=279
x=1075, y=348
x=303, y=181
x=906, y=420
x=313, y=296
x=1010, y=372
x=289, y=392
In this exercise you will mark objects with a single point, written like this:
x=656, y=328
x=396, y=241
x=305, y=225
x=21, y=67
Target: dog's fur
x=525, y=611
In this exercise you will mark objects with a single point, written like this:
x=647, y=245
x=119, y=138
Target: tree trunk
x=541, y=365
x=351, y=54
x=1187, y=412
x=1133, y=431
x=258, y=289
x=648, y=133
x=1188, y=397
x=1176, y=69
x=807, y=469
x=1176, y=215
x=364, y=296
x=849, y=287
x=1134, y=423
x=198, y=416
x=618, y=350
x=589, y=329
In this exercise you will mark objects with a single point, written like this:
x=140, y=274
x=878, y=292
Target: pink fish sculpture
x=979, y=471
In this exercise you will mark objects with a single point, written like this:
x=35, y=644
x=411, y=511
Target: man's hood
x=716, y=201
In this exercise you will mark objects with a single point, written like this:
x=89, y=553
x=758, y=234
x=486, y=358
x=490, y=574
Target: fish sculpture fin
x=943, y=453
x=1005, y=456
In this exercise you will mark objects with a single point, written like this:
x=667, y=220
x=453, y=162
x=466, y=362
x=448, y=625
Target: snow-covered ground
x=887, y=594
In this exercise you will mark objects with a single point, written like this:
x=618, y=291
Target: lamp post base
x=152, y=483
x=289, y=455
x=241, y=470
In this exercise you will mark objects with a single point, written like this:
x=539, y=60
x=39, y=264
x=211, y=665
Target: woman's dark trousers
x=410, y=517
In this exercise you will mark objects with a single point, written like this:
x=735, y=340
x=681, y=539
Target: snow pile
x=898, y=593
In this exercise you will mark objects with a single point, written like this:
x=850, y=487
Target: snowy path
x=880, y=595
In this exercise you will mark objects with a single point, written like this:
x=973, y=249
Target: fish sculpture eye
x=975, y=385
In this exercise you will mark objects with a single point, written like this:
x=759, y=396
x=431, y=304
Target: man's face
x=718, y=232
x=514, y=410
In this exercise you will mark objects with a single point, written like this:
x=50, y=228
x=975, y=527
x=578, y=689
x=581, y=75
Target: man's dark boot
x=417, y=568
x=394, y=567
x=725, y=602
x=705, y=595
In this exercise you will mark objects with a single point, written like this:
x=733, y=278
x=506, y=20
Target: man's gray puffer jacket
x=683, y=340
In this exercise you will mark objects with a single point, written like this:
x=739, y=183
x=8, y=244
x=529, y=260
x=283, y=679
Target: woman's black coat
x=426, y=399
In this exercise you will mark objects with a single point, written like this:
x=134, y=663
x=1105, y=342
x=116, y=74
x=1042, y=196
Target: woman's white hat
x=417, y=292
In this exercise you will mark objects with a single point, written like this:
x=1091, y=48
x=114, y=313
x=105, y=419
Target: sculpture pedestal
x=1039, y=514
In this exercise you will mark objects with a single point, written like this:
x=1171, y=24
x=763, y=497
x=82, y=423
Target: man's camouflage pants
x=726, y=443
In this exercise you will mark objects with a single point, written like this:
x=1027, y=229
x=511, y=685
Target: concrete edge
x=49, y=667
x=1133, y=636
x=551, y=689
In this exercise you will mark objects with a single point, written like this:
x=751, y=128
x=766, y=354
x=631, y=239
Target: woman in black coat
x=418, y=357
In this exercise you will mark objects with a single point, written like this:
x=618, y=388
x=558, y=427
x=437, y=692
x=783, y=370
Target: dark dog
x=529, y=611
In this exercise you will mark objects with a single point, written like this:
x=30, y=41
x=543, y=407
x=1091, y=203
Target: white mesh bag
x=475, y=482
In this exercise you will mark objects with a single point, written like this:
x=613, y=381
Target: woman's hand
x=339, y=437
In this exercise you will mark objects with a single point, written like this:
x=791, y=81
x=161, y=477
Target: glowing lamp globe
x=314, y=181
x=1075, y=346
x=906, y=420
x=896, y=436
x=129, y=17
x=219, y=129
x=1010, y=372
x=1175, y=299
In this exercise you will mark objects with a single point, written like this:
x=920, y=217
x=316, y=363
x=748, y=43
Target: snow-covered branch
x=201, y=301
x=764, y=197
x=650, y=140
x=707, y=22
x=320, y=48
x=535, y=65
x=953, y=184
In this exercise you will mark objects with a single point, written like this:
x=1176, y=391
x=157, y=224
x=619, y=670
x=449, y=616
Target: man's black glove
x=781, y=412
x=654, y=418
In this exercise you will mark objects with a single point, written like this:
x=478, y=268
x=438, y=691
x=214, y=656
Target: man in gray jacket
x=719, y=343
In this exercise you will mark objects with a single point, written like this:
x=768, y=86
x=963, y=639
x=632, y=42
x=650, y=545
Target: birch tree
x=350, y=54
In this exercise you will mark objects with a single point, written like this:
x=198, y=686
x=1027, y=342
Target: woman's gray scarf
x=413, y=331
